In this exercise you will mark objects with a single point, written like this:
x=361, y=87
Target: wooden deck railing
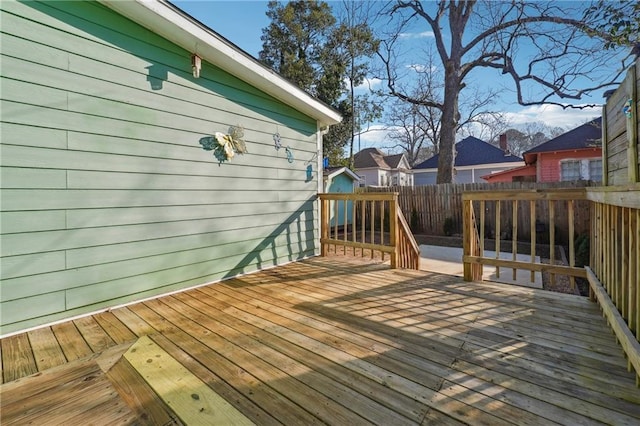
x=506, y=205
x=369, y=224
x=614, y=272
x=614, y=247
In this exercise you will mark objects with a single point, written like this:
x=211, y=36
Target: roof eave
x=164, y=19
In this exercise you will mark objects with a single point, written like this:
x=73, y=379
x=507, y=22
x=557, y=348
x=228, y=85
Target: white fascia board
x=344, y=170
x=179, y=28
x=510, y=165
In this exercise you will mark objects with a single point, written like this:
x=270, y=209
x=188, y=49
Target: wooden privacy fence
x=368, y=222
x=614, y=273
x=429, y=207
x=527, y=202
x=620, y=129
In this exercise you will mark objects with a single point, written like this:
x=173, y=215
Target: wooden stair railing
x=365, y=224
x=471, y=243
x=408, y=250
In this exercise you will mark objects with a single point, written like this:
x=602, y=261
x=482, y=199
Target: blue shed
x=342, y=180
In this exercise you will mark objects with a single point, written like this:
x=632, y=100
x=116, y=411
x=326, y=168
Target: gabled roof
x=374, y=158
x=331, y=172
x=588, y=135
x=394, y=160
x=175, y=25
x=470, y=152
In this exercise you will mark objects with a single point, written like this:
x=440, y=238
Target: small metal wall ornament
x=225, y=147
x=277, y=141
x=626, y=109
x=290, y=158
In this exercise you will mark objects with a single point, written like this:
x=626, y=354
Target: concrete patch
x=448, y=260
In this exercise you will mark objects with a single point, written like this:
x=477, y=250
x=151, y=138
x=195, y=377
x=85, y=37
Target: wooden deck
x=331, y=341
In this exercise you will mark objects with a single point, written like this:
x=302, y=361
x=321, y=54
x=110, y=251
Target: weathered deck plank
x=71, y=341
x=329, y=341
x=46, y=350
x=18, y=360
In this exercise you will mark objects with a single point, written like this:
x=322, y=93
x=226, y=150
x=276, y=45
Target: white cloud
x=375, y=137
x=553, y=115
x=421, y=68
x=423, y=34
x=369, y=83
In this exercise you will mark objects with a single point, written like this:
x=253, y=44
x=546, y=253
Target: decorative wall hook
x=312, y=159
x=289, y=154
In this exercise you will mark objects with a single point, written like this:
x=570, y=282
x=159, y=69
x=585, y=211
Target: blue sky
x=241, y=22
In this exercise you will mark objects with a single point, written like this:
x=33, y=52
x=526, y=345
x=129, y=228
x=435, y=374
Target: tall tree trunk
x=449, y=123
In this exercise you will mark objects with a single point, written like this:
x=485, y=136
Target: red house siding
x=549, y=162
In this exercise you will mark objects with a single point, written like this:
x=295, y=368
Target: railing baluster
x=335, y=224
x=354, y=227
x=324, y=228
x=482, y=207
x=532, y=207
x=372, y=225
x=393, y=230
x=572, y=248
x=636, y=256
x=552, y=238
x=498, y=236
x=514, y=236
x=624, y=267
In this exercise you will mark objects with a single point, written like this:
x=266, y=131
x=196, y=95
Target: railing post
x=467, y=228
x=324, y=224
x=393, y=230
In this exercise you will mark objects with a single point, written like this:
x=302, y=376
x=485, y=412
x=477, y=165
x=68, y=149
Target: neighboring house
x=341, y=180
x=107, y=195
x=473, y=158
x=375, y=168
x=575, y=155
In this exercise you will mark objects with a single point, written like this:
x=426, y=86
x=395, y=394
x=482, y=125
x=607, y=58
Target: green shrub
x=449, y=226
x=414, y=224
x=582, y=249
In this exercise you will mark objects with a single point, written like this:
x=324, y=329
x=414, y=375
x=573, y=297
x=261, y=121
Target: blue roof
x=588, y=135
x=472, y=151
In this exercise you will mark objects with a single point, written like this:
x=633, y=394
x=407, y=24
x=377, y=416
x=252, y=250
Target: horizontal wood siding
x=107, y=195
x=549, y=162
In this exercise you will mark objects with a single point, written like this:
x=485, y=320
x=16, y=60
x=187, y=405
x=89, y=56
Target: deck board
x=46, y=350
x=71, y=341
x=333, y=341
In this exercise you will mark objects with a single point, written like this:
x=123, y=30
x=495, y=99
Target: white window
x=595, y=170
x=570, y=170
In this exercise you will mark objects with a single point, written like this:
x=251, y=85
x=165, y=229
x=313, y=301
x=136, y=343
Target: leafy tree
x=307, y=45
x=354, y=43
x=537, y=45
x=620, y=19
x=293, y=43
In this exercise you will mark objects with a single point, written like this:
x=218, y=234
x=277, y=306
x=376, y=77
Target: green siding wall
x=107, y=196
